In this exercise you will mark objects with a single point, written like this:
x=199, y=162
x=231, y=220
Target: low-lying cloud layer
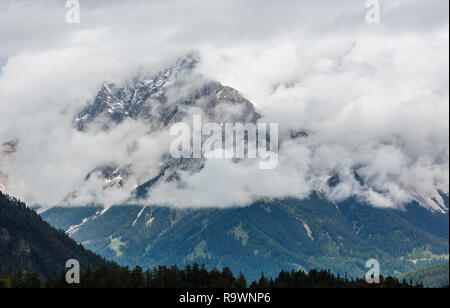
x=373, y=98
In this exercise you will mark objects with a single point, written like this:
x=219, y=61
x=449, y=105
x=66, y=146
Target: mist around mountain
x=119, y=142
x=174, y=95
x=305, y=229
x=359, y=91
x=269, y=234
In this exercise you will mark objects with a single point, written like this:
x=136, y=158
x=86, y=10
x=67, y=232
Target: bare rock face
x=10, y=146
x=163, y=99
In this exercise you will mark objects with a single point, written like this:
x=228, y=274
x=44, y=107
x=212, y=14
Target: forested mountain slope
x=431, y=277
x=269, y=236
x=30, y=244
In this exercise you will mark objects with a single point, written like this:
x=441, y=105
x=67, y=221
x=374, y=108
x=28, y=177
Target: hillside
x=269, y=236
x=28, y=243
x=431, y=277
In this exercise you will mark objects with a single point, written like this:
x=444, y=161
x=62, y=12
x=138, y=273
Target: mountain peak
x=157, y=99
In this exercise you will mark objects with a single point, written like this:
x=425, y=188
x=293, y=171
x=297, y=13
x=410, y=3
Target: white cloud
x=373, y=98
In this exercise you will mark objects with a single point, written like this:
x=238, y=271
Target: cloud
x=373, y=98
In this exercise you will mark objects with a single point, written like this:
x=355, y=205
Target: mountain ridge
x=30, y=244
x=269, y=235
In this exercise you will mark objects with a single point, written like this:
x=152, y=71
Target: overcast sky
x=372, y=95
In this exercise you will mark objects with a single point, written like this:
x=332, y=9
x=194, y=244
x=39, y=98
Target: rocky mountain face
x=164, y=99
x=159, y=101
x=8, y=148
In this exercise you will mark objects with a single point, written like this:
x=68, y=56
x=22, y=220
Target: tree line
x=195, y=277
